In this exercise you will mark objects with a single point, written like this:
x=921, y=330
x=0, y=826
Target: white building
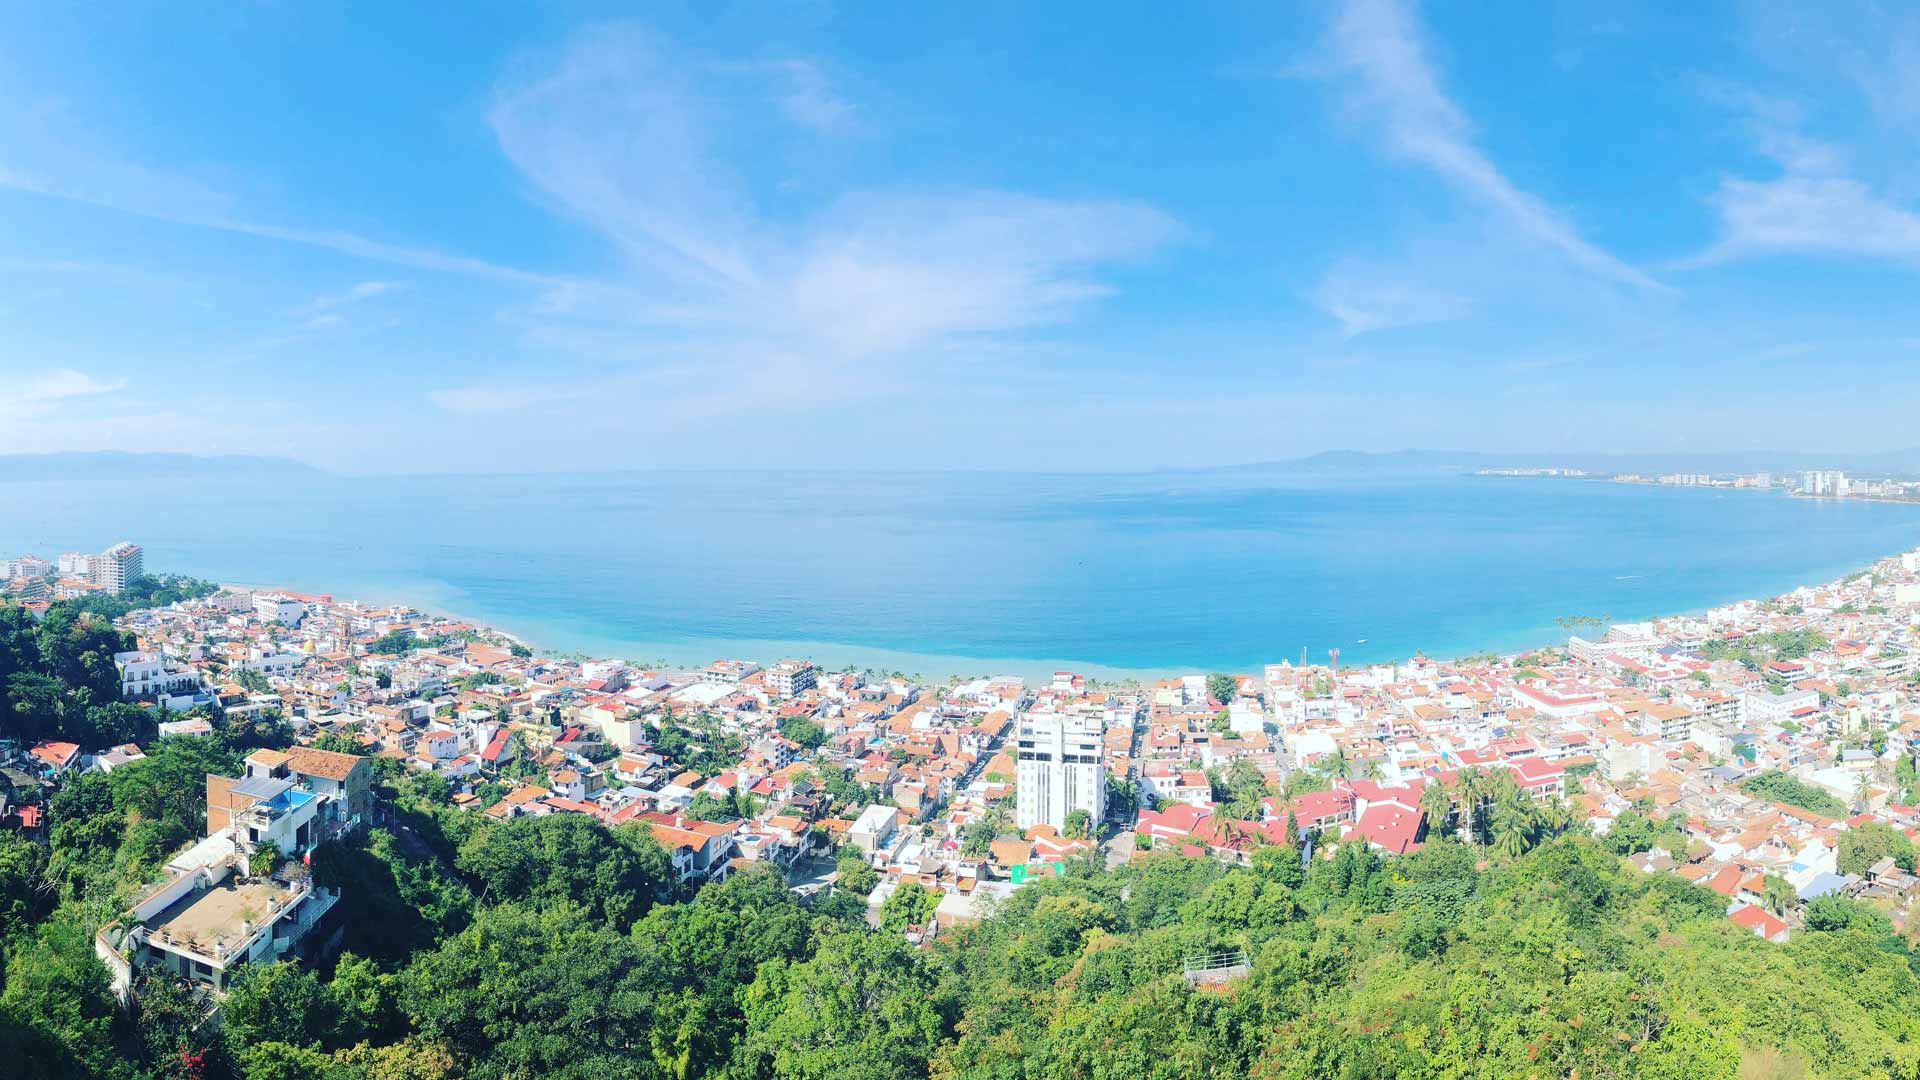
x=728, y=672
x=220, y=911
x=274, y=607
x=1775, y=709
x=790, y=677
x=1060, y=769
x=873, y=828
x=76, y=565
x=1245, y=717
x=27, y=566
x=1824, y=482
x=146, y=674
x=117, y=566
x=271, y=664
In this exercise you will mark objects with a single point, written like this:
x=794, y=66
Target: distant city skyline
x=551, y=237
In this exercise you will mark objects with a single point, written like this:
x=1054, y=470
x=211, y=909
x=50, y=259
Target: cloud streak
x=1368, y=298
x=1814, y=206
x=62, y=384
x=1815, y=214
x=617, y=132
x=52, y=154
x=48, y=393
x=1377, y=46
x=365, y=290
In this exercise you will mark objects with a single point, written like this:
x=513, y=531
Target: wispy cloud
x=1366, y=298
x=506, y=397
x=50, y=394
x=48, y=151
x=365, y=290
x=618, y=132
x=1826, y=214
x=1378, y=49
x=1815, y=205
x=617, y=135
x=1867, y=46
x=324, y=312
x=64, y=383
x=807, y=96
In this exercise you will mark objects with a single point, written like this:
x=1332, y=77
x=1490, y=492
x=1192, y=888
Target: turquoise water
x=942, y=573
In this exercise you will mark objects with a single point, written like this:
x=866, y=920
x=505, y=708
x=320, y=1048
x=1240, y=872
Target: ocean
x=949, y=573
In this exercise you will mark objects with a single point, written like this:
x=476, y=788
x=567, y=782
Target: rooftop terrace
x=210, y=921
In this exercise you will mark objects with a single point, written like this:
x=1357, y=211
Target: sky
x=507, y=236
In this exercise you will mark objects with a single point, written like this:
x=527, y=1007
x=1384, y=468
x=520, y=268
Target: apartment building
x=223, y=904
x=115, y=567
x=149, y=675
x=728, y=672
x=790, y=677
x=276, y=607
x=1059, y=769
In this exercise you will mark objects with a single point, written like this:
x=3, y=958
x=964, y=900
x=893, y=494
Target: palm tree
x=997, y=818
x=1511, y=824
x=1473, y=803
x=1777, y=894
x=1436, y=802
x=1553, y=817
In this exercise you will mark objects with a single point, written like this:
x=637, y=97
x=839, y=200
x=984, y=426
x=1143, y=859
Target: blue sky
x=382, y=238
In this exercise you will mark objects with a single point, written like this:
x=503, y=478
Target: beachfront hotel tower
x=118, y=566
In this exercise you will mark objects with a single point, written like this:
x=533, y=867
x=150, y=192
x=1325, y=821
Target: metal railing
x=1209, y=967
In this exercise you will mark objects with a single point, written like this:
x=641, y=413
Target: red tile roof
x=1759, y=921
x=1391, y=826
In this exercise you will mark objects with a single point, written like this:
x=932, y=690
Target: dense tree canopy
x=1222, y=688
x=1865, y=844
x=57, y=679
x=1780, y=787
x=1754, y=650
x=615, y=875
x=554, y=947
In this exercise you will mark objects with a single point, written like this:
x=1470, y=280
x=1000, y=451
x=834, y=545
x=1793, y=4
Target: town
x=1807, y=484
x=1765, y=750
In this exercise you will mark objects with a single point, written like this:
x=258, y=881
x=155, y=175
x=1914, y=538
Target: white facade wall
x=143, y=674
x=1060, y=769
x=280, y=609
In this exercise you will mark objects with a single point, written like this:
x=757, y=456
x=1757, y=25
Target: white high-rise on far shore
x=1060, y=769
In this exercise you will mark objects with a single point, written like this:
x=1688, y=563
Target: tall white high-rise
x=1060, y=769
x=118, y=565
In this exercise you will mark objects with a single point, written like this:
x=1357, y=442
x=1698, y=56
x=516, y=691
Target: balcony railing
x=1215, y=967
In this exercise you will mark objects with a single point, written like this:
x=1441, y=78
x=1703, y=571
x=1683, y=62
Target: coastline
x=1122, y=583
x=1718, y=488
x=554, y=636
x=698, y=652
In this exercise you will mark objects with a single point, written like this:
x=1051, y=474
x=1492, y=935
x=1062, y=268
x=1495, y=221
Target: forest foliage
x=555, y=947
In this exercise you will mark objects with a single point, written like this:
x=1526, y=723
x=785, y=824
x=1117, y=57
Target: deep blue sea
x=966, y=572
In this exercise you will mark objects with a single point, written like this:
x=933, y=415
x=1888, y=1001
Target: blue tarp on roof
x=1822, y=885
